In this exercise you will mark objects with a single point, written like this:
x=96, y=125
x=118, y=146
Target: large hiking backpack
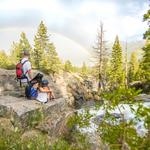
x=19, y=71
x=30, y=92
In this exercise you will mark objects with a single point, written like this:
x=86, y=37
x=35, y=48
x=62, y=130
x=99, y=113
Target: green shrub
x=13, y=141
x=34, y=118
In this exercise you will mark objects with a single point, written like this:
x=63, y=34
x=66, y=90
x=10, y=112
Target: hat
x=45, y=82
x=25, y=52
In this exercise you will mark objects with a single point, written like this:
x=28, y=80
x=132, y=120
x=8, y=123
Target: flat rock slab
x=21, y=105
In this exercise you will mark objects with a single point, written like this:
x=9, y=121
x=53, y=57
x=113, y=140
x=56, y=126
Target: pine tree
x=117, y=74
x=15, y=53
x=84, y=69
x=68, y=66
x=52, y=62
x=145, y=64
x=146, y=17
x=5, y=61
x=40, y=46
x=17, y=48
x=24, y=43
x=76, y=69
x=133, y=67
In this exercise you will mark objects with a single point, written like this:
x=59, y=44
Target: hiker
x=26, y=67
x=45, y=93
x=23, y=71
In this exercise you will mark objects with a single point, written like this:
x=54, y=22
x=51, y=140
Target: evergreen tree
x=24, y=43
x=133, y=67
x=17, y=48
x=145, y=64
x=76, y=69
x=15, y=53
x=146, y=17
x=68, y=66
x=84, y=69
x=117, y=75
x=3, y=60
x=40, y=46
x=52, y=62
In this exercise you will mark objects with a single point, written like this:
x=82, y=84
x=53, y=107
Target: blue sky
x=76, y=20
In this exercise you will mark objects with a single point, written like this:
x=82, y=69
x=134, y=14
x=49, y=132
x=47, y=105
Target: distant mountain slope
x=133, y=46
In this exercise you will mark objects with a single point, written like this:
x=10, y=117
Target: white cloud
x=99, y=8
x=42, y=5
x=79, y=22
x=125, y=27
x=131, y=26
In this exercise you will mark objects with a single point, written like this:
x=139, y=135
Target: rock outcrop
x=77, y=90
x=31, y=115
x=10, y=86
x=50, y=118
x=71, y=86
x=34, y=118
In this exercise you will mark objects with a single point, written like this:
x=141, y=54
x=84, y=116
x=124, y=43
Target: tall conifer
x=117, y=75
x=24, y=43
x=84, y=69
x=40, y=46
x=52, y=63
x=17, y=48
x=68, y=66
x=133, y=67
x=4, y=60
x=145, y=64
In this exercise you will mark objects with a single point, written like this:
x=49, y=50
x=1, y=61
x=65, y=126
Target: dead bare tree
x=101, y=57
x=126, y=65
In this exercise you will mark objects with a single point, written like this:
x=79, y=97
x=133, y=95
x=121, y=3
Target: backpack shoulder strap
x=22, y=67
x=24, y=62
